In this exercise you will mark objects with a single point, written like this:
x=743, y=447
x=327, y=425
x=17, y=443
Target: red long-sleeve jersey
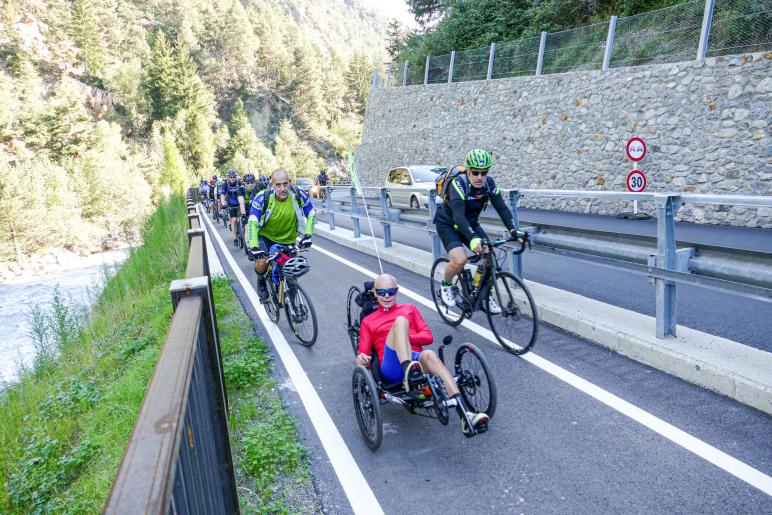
x=376, y=326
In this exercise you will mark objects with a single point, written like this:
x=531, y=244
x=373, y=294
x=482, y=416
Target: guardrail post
x=404, y=75
x=436, y=249
x=452, y=62
x=667, y=259
x=328, y=202
x=612, y=27
x=540, y=59
x=490, y=62
x=191, y=217
x=426, y=70
x=192, y=233
x=354, y=213
x=517, y=260
x=707, y=23
x=385, y=214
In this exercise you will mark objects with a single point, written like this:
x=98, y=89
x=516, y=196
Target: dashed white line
x=732, y=465
x=358, y=491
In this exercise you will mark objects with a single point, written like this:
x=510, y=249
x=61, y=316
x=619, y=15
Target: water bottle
x=478, y=275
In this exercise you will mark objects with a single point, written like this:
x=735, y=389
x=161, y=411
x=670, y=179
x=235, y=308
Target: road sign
x=636, y=149
x=636, y=181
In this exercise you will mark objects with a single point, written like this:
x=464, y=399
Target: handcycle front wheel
x=476, y=382
x=452, y=315
x=367, y=407
x=516, y=324
x=300, y=313
x=353, y=312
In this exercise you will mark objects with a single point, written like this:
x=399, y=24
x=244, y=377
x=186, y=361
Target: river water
x=78, y=286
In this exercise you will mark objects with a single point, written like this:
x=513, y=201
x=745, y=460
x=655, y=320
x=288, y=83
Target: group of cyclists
x=274, y=209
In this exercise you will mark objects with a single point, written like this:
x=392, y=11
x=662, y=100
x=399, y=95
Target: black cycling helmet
x=231, y=173
x=264, y=181
x=214, y=177
x=249, y=178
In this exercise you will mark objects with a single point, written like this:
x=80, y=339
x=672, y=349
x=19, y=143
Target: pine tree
x=359, y=80
x=239, y=117
x=160, y=80
x=86, y=36
x=174, y=175
x=395, y=40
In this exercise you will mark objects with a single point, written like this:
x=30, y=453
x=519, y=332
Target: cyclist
x=273, y=219
x=232, y=198
x=467, y=195
x=250, y=192
x=217, y=195
x=399, y=333
x=321, y=180
x=203, y=191
x=263, y=182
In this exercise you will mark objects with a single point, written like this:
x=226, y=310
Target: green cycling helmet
x=479, y=159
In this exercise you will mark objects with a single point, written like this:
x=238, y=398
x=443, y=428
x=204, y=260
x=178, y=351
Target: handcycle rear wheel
x=451, y=315
x=476, y=381
x=517, y=325
x=367, y=407
x=353, y=311
x=300, y=310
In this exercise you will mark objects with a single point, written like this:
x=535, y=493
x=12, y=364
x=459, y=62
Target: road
x=734, y=317
x=553, y=445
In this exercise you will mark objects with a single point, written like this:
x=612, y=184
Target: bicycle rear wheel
x=353, y=311
x=476, y=382
x=300, y=314
x=452, y=315
x=516, y=322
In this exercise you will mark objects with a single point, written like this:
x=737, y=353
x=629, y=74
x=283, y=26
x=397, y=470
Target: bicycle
x=513, y=317
x=283, y=287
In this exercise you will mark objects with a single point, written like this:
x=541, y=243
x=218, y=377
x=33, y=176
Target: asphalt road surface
x=551, y=447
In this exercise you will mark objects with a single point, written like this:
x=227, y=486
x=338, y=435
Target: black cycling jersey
x=232, y=192
x=464, y=204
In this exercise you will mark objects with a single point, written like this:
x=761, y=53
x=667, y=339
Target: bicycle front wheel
x=512, y=313
x=272, y=305
x=300, y=314
x=452, y=315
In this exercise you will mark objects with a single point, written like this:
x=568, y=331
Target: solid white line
x=358, y=491
x=692, y=444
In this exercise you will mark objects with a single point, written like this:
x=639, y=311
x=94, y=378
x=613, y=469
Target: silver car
x=407, y=185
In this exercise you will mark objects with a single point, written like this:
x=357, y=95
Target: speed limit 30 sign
x=636, y=181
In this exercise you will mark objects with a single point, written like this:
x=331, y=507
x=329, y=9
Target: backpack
x=442, y=182
x=294, y=191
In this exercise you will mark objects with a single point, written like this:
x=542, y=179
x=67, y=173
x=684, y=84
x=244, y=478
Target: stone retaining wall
x=706, y=125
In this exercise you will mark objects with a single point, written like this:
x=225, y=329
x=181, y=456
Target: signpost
x=636, y=180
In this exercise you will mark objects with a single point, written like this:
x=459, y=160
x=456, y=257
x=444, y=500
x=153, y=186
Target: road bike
x=285, y=267
x=504, y=297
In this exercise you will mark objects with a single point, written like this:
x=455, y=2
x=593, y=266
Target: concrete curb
x=718, y=364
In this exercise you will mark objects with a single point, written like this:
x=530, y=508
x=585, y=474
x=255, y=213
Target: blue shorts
x=390, y=366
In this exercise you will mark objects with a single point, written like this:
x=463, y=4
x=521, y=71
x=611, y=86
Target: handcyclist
x=399, y=333
x=232, y=197
x=273, y=218
x=466, y=195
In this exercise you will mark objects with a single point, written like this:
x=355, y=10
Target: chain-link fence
x=668, y=35
x=575, y=49
x=516, y=59
x=740, y=26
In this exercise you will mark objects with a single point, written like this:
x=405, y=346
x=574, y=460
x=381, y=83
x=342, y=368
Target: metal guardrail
x=742, y=273
x=178, y=459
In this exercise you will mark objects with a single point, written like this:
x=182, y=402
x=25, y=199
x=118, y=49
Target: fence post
x=385, y=214
x=354, y=212
x=426, y=70
x=517, y=260
x=452, y=62
x=404, y=75
x=612, y=28
x=707, y=23
x=540, y=59
x=388, y=75
x=490, y=61
x=436, y=250
x=666, y=258
x=375, y=78
x=328, y=202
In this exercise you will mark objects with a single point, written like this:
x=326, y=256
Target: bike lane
x=551, y=447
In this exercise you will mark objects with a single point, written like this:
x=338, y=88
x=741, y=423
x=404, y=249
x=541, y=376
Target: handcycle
x=284, y=291
x=513, y=317
x=428, y=397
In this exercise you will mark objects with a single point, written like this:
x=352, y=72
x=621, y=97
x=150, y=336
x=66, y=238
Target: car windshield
x=427, y=174
x=304, y=182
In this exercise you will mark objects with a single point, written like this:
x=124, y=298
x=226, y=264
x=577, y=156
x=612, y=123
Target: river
x=77, y=285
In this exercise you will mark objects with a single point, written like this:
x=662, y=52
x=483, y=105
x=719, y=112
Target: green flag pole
x=358, y=187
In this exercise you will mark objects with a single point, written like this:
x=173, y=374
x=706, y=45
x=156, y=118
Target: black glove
x=257, y=253
x=305, y=241
x=520, y=235
x=244, y=219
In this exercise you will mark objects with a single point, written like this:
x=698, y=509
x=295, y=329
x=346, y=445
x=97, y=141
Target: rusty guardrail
x=178, y=459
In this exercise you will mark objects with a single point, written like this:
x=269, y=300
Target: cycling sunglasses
x=382, y=292
x=478, y=172
x=249, y=182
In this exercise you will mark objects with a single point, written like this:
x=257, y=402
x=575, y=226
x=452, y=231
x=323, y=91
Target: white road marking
x=732, y=465
x=358, y=491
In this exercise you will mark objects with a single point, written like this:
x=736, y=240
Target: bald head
x=385, y=281
x=280, y=181
x=279, y=175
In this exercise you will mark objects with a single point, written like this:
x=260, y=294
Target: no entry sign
x=636, y=149
x=636, y=181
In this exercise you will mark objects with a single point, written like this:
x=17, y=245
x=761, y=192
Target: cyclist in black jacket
x=457, y=218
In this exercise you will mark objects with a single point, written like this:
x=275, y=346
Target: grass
x=65, y=424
